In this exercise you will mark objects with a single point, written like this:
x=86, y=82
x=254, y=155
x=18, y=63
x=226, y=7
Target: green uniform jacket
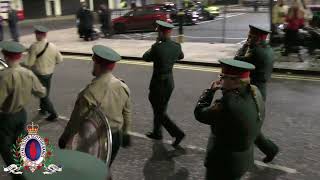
x=163, y=54
x=262, y=57
x=235, y=121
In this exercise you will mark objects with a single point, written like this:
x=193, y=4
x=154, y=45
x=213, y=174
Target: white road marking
x=258, y=163
x=241, y=42
x=126, y=36
x=203, y=37
x=195, y=37
x=222, y=17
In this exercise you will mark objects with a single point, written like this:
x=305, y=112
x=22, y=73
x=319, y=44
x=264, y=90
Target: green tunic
x=163, y=54
x=262, y=57
x=235, y=121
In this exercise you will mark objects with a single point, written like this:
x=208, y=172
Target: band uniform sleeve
x=204, y=112
x=127, y=117
x=3, y=91
x=37, y=88
x=149, y=55
x=78, y=114
x=59, y=58
x=248, y=56
x=32, y=57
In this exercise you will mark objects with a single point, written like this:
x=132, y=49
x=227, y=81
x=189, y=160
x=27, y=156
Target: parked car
x=140, y=19
x=191, y=16
x=204, y=12
x=213, y=10
x=252, y=3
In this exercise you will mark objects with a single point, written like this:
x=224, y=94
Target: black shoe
x=178, y=140
x=52, y=117
x=271, y=156
x=154, y=136
x=42, y=112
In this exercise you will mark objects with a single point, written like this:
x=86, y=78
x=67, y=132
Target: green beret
x=239, y=65
x=106, y=53
x=75, y=165
x=259, y=29
x=12, y=46
x=165, y=24
x=40, y=28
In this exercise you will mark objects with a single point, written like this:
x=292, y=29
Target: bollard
x=180, y=38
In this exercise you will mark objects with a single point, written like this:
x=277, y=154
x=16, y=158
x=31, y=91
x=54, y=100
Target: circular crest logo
x=32, y=152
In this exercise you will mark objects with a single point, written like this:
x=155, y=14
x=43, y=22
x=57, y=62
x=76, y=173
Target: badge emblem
x=32, y=152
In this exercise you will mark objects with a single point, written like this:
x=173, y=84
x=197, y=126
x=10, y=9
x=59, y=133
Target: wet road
x=292, y=122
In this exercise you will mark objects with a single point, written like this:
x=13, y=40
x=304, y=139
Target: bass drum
x=94, y=136
x=3, y=65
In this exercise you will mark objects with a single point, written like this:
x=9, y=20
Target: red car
x=140, y=19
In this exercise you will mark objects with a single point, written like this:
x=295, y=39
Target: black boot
x=271, y=155
x=178, y=140
x=154, y=136
x=52, y=117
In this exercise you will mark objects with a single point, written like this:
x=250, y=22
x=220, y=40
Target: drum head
x=94, y=136
x=3, y=65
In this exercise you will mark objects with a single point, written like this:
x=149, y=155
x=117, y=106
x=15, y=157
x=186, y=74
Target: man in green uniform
x=164, y=53
x=17, y=84
x=42, y=59
x=235, y=121
x=108, y=92
x=260, y=54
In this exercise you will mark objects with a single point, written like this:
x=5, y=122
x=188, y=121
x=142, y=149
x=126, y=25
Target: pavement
x=291, y=121
x=68, y=41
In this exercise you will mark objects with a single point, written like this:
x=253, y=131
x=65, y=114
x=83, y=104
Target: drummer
x=108, y=92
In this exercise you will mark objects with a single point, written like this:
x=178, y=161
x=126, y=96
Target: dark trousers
x=214, y=174
x=14, y=32
x=265, y=145
x=290, y=40
x=11, y=126
x=116, y=142
x=106, y=30
x=45, y=103
x=159, y=99
x=1, y=33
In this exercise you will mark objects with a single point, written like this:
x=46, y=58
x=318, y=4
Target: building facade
x=45, y=8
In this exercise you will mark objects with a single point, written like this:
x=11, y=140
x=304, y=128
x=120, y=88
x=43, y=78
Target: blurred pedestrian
x=108, y=93
x=42, y=59
x=79, y=18
x=13, y=23
x=133, y=4
x=279, y=13
x=105, y=20
x=17, y=84
x=85, y=20
x=1, y=28
x=164, y=53
x=235, y=121
x=294, y=22
x=260, y=54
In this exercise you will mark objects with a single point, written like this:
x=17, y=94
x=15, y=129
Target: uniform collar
x=107, y=75
x=45, y=40
x=14, y=64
